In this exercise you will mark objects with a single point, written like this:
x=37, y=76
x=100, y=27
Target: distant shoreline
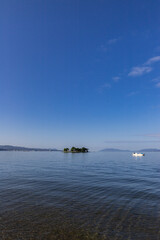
x=4, y=148
x=16, y=150
x=25, y=149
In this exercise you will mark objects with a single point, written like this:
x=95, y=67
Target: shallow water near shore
x=99, y=195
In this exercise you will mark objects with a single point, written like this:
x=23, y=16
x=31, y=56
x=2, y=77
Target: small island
x=76, y=150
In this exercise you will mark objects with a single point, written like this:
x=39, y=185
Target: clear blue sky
x=80, y=73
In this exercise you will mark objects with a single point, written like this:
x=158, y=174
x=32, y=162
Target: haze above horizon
x=80, y=73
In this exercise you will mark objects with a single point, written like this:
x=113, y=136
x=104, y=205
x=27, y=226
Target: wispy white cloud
x=106, y=46
x=132, y=94
x=152, y=60
x=144, y=68
x=103, y=48
x=116, y=79
x=104, y=86
x=157, y=79
x=113, y=40
x=139, y=71
x=158, y=85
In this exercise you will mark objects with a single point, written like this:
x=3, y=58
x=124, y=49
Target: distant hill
x=149, y=150
x=113, y=150
x=17, y=148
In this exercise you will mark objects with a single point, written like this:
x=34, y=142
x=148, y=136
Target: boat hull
x=138, y=154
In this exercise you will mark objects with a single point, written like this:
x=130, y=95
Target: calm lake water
x=99, y=195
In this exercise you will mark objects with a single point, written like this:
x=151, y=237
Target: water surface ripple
x=55, y=195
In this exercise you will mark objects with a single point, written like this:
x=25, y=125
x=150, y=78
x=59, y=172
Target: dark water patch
x=43, y=223
x=48, y=223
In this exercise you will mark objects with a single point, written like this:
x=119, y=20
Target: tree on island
x=66, y=149
x=83, y=149
x=73, y=149
x=76, y=150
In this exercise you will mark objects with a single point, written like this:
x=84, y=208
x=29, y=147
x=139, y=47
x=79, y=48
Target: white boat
x=138, y=154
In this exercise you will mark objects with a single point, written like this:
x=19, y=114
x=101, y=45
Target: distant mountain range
x=150, y=150
x=141, y=150
x=17, y=148
x=113, y=150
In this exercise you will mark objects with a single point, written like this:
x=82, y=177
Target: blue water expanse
x=95, y=195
